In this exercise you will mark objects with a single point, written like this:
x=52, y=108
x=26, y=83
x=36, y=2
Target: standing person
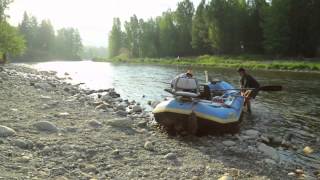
x=247, y=81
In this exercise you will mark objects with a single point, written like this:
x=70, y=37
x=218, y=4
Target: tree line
x=11, y=41
x=276, y=28
x=43, y=43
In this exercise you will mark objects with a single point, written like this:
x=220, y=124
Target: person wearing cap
x=187, y=74
x=247, y=81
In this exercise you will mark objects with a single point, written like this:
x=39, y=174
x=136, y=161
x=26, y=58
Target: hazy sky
x=93, y=18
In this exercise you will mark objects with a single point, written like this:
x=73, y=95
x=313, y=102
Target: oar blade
x=270, y=88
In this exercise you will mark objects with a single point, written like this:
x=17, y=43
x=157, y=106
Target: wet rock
x=269, y=151
x=136, y=109
x=71, y=129
x=90, y=168
x=149, y=146
x=23, y=143
x=121, y=107
x=95, y=123
x=252, y=133
x=106, y=98
x=121, y=123
x=142, y=124
x=101, y=106
x=226, y=177
x=44, y=86
x=45, y=97
x=122, y=113
x=299, y=171
x=171, y=156
x=46, y=126
x=291, y=174
x=6, y=131
x=24, y=159
x=269, y=161
x=228, y=143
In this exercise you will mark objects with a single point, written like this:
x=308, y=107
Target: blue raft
x=217, y=109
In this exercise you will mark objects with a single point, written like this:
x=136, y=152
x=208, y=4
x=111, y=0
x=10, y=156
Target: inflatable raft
x=213, y=108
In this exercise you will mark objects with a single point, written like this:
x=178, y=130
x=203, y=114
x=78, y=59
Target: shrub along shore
x=252, y=62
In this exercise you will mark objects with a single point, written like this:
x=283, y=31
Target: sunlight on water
x=95, y=75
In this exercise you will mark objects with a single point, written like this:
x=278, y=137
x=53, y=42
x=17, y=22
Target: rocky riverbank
x=50, y=129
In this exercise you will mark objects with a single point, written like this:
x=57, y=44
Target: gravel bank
x=50, y=129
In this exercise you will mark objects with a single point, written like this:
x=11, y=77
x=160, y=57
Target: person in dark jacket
x=247, y=81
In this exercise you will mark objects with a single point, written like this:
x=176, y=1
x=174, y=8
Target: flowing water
x=295, y=111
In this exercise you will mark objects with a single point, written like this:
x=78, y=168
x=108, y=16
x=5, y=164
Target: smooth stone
x=136, y=109
x=307, y=150
x=23, y=144
x=252, y=133
x=122, y=113
x=269, y=151
x=226, y=178
x=228, y=143
x=45, y=97
x=44, y=86
x=95, y=123
x=120, y=122
x=6, y=131
x=170, y=156
x=269, y=161
x=148, y=146
x=106, y=98
x=101, y=106
x=121, y=107
x=45, y=126
x=63, y=114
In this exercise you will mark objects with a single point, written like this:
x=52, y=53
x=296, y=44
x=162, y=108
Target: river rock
x=155, y=103
x=228, y=143
x=44, y=86
x=136, y=109
x=122, y=113
x=149, y=146
x=101, y=106
x=269, y=151
x=6, y=131
x=95, y=123
x=252, y=133
x=225, y=177
x=171, y=156
x=106, y=98
x=45, y=126
x=120, y=122
x=23, y=143
x=121, y=107
x=42, y=97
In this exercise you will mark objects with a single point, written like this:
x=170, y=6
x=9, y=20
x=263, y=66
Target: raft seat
x=187, y=87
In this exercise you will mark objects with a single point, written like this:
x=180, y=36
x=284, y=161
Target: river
x=294, y=112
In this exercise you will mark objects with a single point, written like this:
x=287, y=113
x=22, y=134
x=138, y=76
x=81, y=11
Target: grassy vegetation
x=252, y=62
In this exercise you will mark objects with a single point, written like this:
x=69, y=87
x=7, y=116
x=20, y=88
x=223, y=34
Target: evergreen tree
x=115, y=38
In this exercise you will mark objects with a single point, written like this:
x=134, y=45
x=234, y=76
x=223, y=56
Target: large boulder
x=6, y=131
x=46, y=126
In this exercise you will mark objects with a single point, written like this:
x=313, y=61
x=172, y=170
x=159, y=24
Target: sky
x=93, y=18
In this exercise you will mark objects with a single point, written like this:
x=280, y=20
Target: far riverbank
x=251, y=62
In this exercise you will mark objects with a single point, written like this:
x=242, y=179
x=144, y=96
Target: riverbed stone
x=6, y=131
x=43, y=85
x=122, y=113
x=171, y=156
x=226, y=177
x=120, y=122
x=137, y=109
x=252, y=133
x=23, y=143
x=95, y=124
x=269, y=151
x=148, y=145
x=46, y=126
x=228, y=143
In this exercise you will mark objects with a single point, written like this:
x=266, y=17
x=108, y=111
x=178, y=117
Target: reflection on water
x=295, y=110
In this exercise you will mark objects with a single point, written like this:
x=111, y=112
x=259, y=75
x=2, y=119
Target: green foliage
x=276, y=28
x=115, y=38
x=4, y=4
x=10, y=40
x=43, y=43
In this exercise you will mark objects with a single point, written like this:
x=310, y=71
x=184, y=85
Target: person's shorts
x=251, y=93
